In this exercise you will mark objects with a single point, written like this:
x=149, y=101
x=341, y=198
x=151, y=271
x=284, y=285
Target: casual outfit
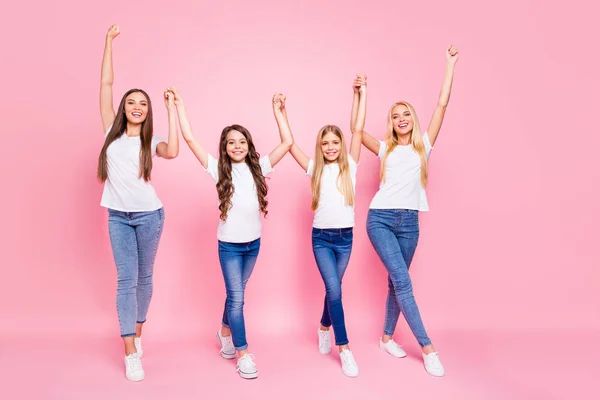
x=135, y=224
x=393, y=228
x=332, y=236
x=239, y=244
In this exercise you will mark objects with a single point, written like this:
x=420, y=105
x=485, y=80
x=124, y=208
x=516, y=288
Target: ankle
x=324, y=328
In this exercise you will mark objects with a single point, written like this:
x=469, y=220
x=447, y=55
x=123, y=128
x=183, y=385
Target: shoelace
x=247, y=359
x=134, y=362
x=433, y=360
x=323, y=335
x=347, y=357
x=227, y=344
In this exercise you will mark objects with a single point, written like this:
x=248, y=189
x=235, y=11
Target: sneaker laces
x=134, y=362
x=434, y=360
x=323, y=336
x=227, y=344
x=348, y=358
x=247, y=359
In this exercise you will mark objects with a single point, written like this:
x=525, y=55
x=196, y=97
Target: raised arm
x=170, y=149
x=107, y=112
x=359, y=111
x=284, y=130
x=186, y=129
x=359, y=104
x=440, y=109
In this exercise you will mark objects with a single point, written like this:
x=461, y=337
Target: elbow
x=171, y=154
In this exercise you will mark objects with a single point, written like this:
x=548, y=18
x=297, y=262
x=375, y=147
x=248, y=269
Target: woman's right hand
x=113, y=32
x=177, y=99
x=278, y=102
x=360, y=82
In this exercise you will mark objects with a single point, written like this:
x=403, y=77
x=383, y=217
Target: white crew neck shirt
x=244, y=219
x=402, y=188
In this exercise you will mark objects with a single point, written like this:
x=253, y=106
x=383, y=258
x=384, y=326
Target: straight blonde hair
x=416, y=141
x=343, y=182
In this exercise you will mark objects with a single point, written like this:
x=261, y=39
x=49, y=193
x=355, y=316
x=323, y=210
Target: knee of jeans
x=235, y=300
x=333, y=292
x=126, y=284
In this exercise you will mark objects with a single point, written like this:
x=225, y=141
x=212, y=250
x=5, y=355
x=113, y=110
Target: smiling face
x=331, y=146
x=136, y=108
x=236, y=146
x=402, y=120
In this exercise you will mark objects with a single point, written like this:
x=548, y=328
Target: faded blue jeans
x=332, y=248
x=134, y=237
x=394, y=235
x=237, y=262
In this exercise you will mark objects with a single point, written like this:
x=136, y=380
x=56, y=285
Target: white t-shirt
x=244, y=218
x=402, y=188
x=332, y=211
x=124, y=190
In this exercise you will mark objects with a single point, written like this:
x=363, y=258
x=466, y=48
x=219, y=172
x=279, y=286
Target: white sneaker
x=138, y=346
x=433, y=365
x=392, y=348
x=133, y=368
x=349, y=367
x=227, y=347
x=247, y=367
x=324, y=342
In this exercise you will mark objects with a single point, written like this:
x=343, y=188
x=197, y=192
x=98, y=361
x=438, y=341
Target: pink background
x=509, y=249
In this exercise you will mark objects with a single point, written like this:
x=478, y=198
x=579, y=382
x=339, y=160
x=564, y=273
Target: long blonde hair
x=343, y=182
x=416, y=141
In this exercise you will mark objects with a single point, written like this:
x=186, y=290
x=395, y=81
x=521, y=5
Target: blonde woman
x=393, y=220
x=333, y=182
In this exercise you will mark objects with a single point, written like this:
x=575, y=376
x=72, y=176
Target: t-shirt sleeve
x=427, y=143
x=310, y=168
x=382, y=149
x=155, y=141
x=265, y=165
x=213, y=168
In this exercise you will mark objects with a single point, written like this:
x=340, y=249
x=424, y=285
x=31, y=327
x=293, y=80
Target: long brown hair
x=225, y=186
x=416, y=141
x=118, y=129
x=343, y=181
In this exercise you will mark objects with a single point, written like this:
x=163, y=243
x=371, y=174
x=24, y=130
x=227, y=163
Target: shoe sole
x=224, y=355
x=385, y=350
x=136, y=379
x=348, y=375
x=252, y=375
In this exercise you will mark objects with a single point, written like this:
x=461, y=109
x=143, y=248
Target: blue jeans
x=332, y=248
x=394, y=235
x=134, y=237
x=237, y=262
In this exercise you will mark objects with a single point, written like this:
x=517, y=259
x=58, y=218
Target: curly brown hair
x=225, y=186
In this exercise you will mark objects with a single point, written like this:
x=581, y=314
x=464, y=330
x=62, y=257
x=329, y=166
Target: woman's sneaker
x=349, y=367
x=138, y=346
x=392, y=348
x=247, y=367
x=227, y=347
x=324, y=342
x=133, y=368
x=433, y=365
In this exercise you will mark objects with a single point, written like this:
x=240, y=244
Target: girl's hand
x=169, y=100
x=278, y=102
x=113, y=32
x=177, y=99
x=451, y=55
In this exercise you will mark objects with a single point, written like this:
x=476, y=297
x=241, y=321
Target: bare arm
x=186, y=129
x=107, y=111
x=170, y=149
x=440, y=110
x=359, y=112
x=285, y=133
